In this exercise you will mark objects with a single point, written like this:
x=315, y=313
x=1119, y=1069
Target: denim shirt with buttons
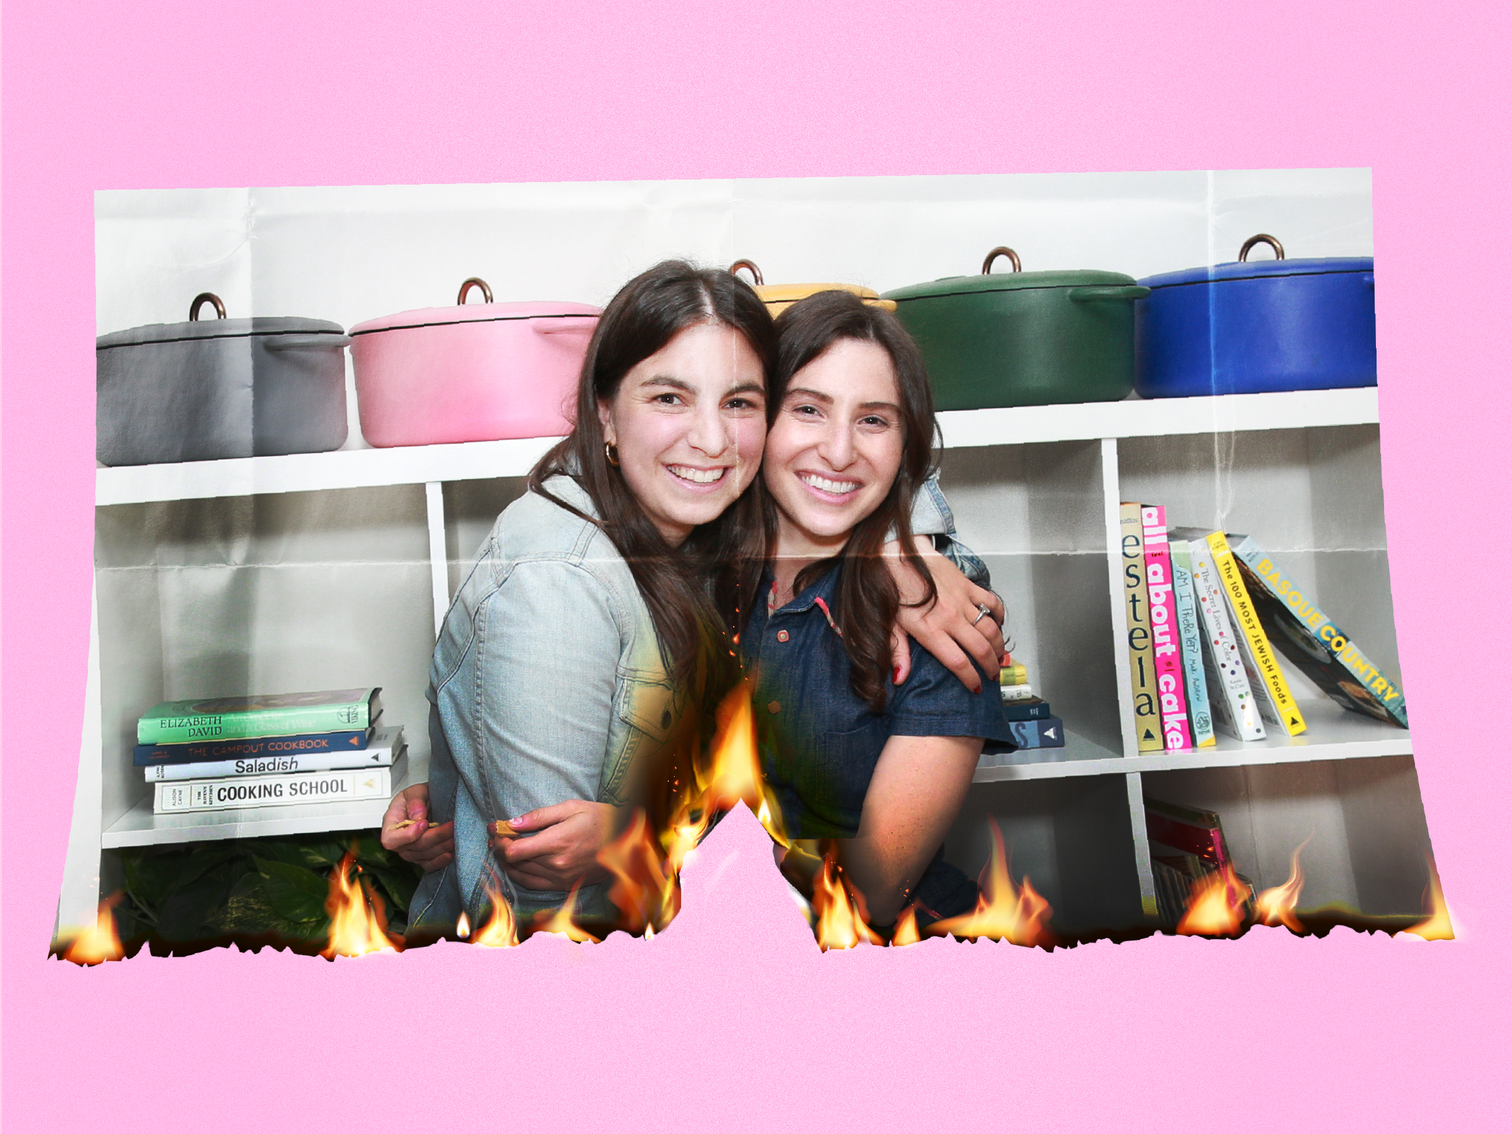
x=547, y=684
x=819, y=741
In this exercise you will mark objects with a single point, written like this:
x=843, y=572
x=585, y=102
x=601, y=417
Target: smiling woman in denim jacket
x=569, y=662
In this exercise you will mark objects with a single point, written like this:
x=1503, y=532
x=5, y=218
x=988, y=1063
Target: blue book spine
x=1190, y=629
x=1035, y=710
x=147, y=755
x=1047, y=732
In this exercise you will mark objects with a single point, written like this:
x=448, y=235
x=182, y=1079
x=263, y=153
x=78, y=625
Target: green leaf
x=185, y=912
x=398, y=889
x=325, y=853
x=296, y=893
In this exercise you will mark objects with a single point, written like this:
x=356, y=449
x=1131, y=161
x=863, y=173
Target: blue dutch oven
x=1250, y=328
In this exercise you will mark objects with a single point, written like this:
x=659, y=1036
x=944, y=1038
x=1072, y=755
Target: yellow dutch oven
x=779, y=297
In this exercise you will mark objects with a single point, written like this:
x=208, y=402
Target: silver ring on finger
x=983, y=611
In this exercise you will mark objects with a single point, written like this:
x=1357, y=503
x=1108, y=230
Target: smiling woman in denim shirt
x=570, y=662
x=850, y=754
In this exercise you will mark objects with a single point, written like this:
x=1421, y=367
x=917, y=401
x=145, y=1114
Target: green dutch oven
x=1024, y=338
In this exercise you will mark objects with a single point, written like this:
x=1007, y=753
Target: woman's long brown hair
x=677, y=584
x=867, y=599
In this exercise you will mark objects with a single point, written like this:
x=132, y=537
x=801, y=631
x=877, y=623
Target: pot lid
x=779, y=297
x=477, y=313
x=486, y=312
x=1016, y=280
x=1245, y=269
x=1262, y=269
x=218, y=329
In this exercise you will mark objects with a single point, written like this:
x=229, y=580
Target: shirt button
x=782, y=635
x=774, y=707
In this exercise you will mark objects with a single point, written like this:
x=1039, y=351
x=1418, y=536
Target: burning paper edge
x=1438, y=925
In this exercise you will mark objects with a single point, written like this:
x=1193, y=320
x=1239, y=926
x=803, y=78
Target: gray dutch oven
x=209, y=389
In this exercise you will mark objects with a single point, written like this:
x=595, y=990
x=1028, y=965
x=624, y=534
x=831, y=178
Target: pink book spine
x=1165, y=633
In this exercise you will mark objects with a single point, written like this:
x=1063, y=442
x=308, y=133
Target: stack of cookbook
x=223, y=753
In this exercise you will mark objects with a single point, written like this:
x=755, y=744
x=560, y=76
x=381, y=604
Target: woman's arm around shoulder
x=915, y=795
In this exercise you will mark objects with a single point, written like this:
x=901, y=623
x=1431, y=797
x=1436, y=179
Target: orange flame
x=839, y=912
x=733, y=775
x=358, y=922
x=907, y=930
x=99, y=942
x=1437, y=926
x=464, y=927
x=647, y=896
x=560, y=920
x=1003, y=911
x=1278, y=905
x=499, y=931
x=1216, y=908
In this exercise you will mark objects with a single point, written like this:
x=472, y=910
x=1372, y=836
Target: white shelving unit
x=1036, y=491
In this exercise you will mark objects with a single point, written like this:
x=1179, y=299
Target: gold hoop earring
x=611, y=454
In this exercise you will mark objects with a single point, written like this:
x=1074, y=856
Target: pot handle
x=470, y=283
x=1113, y=291
x=1260, y=238
x=750, y=266
x=306, y=342
x=206, y=297
x=565, y=324
x=1002, y=250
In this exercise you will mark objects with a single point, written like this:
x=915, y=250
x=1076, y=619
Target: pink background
x=732, y=1019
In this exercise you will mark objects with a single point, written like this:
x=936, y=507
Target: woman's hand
x=407, y=834
x=953, y=627
x=914, y=796
x=556, y=847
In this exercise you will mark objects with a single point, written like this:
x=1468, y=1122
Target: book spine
x=270, y=765
x=1234, y=703
x=1188, y=624
x=271, y=791
x=1273, y=692
x=1026, y=710
x=1045, y=733
x=1323, y=629
x=253, y=723
x=146, y=755
x=1164, y=634
x=1137, y=625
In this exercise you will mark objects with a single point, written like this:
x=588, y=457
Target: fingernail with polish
x=897, y=669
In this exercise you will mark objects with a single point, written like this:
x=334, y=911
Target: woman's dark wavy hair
x=677, y=584
x=867, y=598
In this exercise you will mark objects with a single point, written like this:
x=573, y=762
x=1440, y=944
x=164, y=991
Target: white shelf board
x=1333, y=734
x=1136, y=417
x=309, y=472
x=139, y=827
x=477, y=460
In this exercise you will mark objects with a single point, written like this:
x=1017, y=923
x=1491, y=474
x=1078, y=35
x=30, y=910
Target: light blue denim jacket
x=547, y=684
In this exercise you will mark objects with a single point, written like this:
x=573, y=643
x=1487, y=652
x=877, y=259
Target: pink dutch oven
x=478, y=372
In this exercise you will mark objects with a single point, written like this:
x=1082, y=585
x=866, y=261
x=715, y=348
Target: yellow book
x=1274, y=697
x=1137, y=623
